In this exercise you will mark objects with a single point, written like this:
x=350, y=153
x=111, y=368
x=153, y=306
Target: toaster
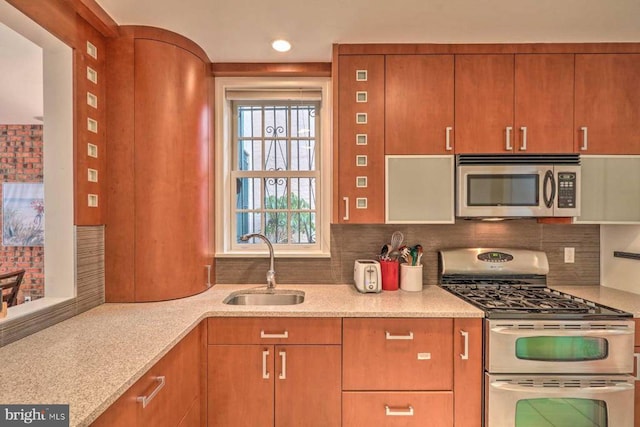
x=367, y=275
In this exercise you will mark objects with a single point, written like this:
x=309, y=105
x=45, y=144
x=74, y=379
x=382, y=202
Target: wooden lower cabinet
x=426, y=371
x=467, y=372
x=397, y=354
x=256, y=382
x=173, y=388
x=395, y=409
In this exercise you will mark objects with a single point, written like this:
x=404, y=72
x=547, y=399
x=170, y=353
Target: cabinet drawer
x=433, y=409
x=397, y=354
x=280, y=330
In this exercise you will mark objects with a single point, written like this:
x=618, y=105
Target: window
x=273, y=151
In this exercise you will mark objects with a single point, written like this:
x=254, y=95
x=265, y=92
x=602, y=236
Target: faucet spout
x=271, y=274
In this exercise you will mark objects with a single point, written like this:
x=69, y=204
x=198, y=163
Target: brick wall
x=21, y=161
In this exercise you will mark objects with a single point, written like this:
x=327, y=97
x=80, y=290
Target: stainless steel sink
x=265, y=297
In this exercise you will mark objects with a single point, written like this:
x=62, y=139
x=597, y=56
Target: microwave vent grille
x=518, y=159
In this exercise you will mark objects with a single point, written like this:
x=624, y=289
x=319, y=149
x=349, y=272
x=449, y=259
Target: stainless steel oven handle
x=561, y=332
x=561, y=390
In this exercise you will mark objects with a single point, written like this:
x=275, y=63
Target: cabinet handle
x=398, y=412
x=448, y=138
x=507, y=142
x=523, y=146
x=585, y=138
x=465, y=355
x=265, y=373
x=264, y=334
x=145, y=400
x=637, y=357
x=346, y=209
x=390, y=336
x=283, y=369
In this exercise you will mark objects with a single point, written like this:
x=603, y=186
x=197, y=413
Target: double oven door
x=551, y=373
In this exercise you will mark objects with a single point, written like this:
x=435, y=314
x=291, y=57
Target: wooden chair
x=12, y=282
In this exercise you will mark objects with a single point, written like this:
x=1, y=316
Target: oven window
x=561, y=412
x=503, y=190
x=561, y=349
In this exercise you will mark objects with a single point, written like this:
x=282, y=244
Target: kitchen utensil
x=396, y=239
x=385, y=251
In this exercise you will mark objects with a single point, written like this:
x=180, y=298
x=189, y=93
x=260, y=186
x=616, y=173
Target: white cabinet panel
x=610, y=189
x=419, y=189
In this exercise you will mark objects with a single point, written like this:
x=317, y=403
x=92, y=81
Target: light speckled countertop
x=621, y=300
x=90, y=360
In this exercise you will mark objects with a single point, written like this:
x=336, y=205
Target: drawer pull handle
x=637, y=357
x=283, y=370
x=390, y=336
x=398, y=412
x=147, y=399
x=265, y=373
x=465, y=355
x=264, y=334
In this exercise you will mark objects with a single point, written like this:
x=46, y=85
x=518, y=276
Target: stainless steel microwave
x=528, y=185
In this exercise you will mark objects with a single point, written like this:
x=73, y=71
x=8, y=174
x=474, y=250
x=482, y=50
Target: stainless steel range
x=551, y=359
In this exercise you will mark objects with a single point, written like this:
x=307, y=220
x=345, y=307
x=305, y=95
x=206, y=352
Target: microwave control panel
x=567, y=189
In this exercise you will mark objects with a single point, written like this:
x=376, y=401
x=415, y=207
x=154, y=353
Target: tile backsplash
x=351, y=242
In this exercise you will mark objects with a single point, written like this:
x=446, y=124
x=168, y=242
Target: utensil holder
x=389, y=270
x=410, y=277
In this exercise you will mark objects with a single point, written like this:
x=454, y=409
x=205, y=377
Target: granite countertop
x=621, y=300
x=90, y=360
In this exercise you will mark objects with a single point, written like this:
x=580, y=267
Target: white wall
x=620, y=273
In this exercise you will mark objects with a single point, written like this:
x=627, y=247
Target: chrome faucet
x=271, y=274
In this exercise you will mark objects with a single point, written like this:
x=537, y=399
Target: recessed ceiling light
x=281, y=45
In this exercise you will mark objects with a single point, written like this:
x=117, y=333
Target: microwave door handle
x=548, y=177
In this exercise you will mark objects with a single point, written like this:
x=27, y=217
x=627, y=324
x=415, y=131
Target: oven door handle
x=561, y=332
x=560, y=390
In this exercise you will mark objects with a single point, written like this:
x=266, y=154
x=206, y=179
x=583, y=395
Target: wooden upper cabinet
x=514, y=103
x=607, y=104
x=361, y=139
x=543, y=103
x=418, y=104
x=157, y=239
x=171, y=172
x=484, y=91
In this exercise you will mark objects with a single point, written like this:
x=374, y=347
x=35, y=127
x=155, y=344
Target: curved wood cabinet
x=157, y=234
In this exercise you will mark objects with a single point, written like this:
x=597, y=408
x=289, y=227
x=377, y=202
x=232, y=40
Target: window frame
x=225, y=233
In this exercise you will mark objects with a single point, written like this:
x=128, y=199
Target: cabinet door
x=397, y=354
x=610, y=189
x=468, y=371
x=420, y=189
x=607, y=102
x=307, y=386
x=544, y=103
x=171, y=181
x=484, y=91
x=396, y=409
x=240, y=386
x=418, y=104
x=172, y=387
x=361, y=139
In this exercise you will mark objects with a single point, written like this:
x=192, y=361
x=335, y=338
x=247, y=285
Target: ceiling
x=242, y=30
